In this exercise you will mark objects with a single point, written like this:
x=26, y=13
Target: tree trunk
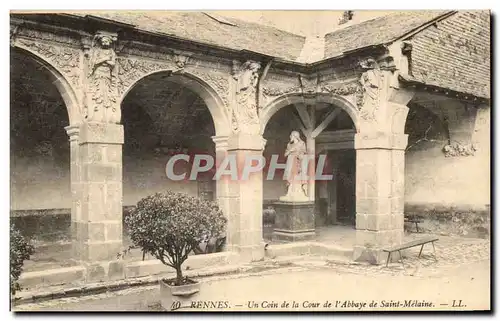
x=179, y=275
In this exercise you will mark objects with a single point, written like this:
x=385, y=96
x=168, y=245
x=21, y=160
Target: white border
x=171, y=5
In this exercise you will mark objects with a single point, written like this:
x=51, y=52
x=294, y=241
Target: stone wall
x=39, y=147
x=453, y=192
x=434, y=177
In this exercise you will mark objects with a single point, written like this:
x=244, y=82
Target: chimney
x=346, y=17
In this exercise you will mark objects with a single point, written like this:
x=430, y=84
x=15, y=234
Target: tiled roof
x=211, y=29
x=455, y=53
x=376, y=31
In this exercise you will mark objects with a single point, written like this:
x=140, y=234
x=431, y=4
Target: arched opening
x=39, y=151
x=161, y=118
x=334, y=130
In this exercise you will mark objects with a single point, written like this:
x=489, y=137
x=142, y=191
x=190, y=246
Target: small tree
x=20, y=250
x=170, y=225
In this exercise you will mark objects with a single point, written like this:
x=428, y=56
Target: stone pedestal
x=294, y=221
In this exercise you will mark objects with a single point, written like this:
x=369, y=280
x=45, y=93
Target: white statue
x=297, y=186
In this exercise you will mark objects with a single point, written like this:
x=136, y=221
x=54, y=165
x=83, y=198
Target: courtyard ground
x=458, y=280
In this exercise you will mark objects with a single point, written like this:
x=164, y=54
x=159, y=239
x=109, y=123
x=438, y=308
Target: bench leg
x=416, y=225
x=434, y=249
x=401, y=258
x=421, y=250
x=388, y=259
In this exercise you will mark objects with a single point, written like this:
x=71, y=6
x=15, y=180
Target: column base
x=374, y=256
x=293, y=236
x=251, y=253
x=96, y=251
x=370, y=245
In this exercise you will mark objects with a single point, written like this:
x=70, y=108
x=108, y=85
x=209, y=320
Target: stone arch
x=296, y=98
x=211, y=98
x=62, y=84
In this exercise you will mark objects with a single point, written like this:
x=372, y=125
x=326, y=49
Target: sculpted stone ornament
x=102, y=90
x=246, y=114
x=457, y=149
x=346, y=89
x=14, y=30
x=371, y=82
x=296, y=186
x=309, y=86
x=181, y=62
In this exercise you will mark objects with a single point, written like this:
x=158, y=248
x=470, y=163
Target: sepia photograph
x=250, y=160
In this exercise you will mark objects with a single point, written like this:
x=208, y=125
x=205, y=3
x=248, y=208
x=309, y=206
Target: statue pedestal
x=294, y=221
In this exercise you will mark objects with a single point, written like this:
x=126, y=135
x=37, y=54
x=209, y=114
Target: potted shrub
x=20, y=250
x=169, y=226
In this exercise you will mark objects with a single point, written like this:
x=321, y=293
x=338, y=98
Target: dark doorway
x=346, y=187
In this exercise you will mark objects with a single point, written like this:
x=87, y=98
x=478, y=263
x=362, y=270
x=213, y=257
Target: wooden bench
x=407, y=245
x=414, y=219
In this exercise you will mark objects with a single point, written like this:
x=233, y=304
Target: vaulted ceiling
x=158, y=112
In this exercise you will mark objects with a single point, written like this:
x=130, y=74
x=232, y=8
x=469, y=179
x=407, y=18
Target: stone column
x=245, y=199
x=379, y=194
x=222, y=190
x=97, y=223
x=332, y=189
x=76, y=197
x=311, y=183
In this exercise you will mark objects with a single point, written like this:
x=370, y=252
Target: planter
x=178, y=297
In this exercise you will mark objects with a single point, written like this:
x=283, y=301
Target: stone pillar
x=379, y=194
x=97, y=221
x=311, y=183
x=245, y=199
x=223, y=190
x=332, y=189
x=76, y=197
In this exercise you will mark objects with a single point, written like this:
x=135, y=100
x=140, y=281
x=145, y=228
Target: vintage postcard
x=289, y=161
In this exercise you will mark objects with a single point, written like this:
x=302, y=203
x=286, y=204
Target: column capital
x=97, y=132
x=380, y=140
x=221, y=142
x=240, y=141
x=73, y=132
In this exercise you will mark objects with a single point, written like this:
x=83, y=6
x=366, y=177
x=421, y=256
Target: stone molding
x=221, y=143
x=381, y=141
x=73, y=132
x=101, y=133
x=242, y=141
